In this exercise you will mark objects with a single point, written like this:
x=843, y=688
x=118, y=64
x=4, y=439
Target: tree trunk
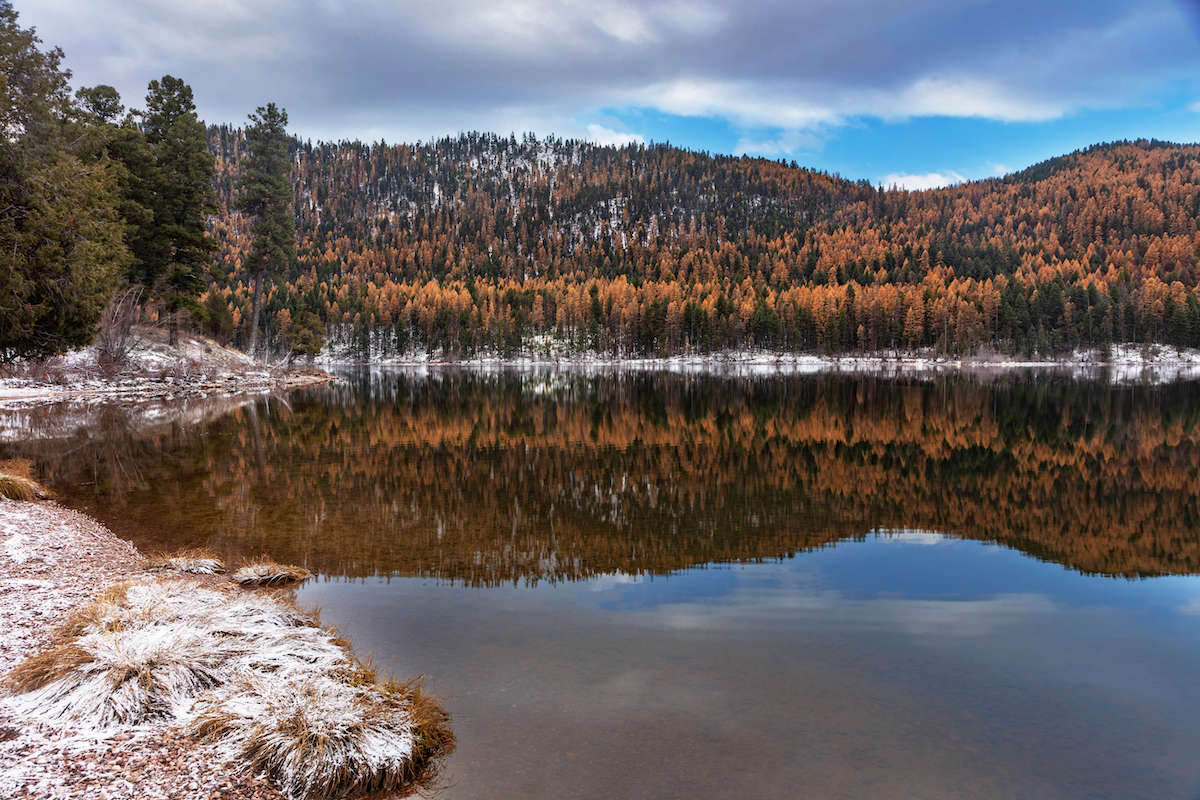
x=256, y=313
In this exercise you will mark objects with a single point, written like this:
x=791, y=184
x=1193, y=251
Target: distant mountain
x=480, y=243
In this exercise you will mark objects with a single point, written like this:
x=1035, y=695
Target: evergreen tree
x=119, y=138
x=174, y=254
x=266, y=197
x=60, y=236
x=102, y=103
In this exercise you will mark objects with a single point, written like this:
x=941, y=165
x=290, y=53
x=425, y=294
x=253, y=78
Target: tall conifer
x=176, y=251
x=266, y=197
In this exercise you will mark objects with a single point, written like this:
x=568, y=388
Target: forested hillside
x=478, y=243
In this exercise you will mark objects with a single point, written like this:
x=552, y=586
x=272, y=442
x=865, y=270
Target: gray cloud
x=776, y=70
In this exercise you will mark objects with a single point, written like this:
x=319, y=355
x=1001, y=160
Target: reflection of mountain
x=493, y=479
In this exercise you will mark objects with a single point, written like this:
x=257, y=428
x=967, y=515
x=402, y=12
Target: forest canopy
x=479, y=243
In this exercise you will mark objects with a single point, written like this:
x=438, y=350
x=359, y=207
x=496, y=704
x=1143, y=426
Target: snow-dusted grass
x=269, y=573
x=14, y=487
x=315, y=736
x=274, y=691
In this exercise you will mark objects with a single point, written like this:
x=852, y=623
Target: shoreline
x=54, y=560
x=97, y=700
x=194, y=367
x=15, y=391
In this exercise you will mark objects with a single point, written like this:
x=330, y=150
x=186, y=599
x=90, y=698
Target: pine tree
x=175, y=253
x=61, y=242
x=119, y=139
x=266, y=196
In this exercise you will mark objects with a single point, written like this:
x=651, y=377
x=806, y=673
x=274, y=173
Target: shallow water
x=659, y=585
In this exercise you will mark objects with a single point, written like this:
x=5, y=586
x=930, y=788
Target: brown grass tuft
x=52, y=664
x=323, y=737
x=194, y=561
x=431, y=726
x=270, y=573
x=63, y=655
x=277, y=693
x=17, y=485
x=21, y=467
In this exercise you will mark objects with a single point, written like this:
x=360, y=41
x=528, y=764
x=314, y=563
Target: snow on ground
x=52, y=562
x=194, y=367
x=174, y=686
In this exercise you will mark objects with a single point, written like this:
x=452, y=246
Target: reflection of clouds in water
x=1191, y=608
x=921, y=617
x=612, y=580
x=917, y=537
x=767, y=594
x=962, y=617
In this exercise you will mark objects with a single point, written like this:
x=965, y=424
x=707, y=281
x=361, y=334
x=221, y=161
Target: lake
x=648, y=584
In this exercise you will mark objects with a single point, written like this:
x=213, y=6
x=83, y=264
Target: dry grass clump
x=321, y=736
x=142, y=652
x=269, y=573
x=194, y=561
x=276, y=693
x=16, y=482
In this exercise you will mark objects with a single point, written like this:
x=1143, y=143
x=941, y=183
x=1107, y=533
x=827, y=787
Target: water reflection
x=651, y=585
x=485, y=479
x=877, y=669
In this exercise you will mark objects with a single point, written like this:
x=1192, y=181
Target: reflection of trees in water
x=492, y=479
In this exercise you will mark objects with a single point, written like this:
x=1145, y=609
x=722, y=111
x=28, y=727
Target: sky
x=916, y=93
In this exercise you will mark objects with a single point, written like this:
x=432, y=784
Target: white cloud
x=602, y=135
x=745, y=104
x=624, y=24
x=1194, y=106
x=928, y=180
x=1191, y=607
x=694, y=18
x=438, y=66
x=968, y=97
x=786, y=143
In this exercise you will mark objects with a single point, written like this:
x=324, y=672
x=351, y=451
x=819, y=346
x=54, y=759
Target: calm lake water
x=645, y=585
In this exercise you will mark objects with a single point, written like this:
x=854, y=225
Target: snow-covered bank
x=52, y=562
x=133, y=684
x=194, y=367
x=1120, y=364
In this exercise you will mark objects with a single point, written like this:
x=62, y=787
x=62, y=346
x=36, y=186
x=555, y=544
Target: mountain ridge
x=481, y=242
